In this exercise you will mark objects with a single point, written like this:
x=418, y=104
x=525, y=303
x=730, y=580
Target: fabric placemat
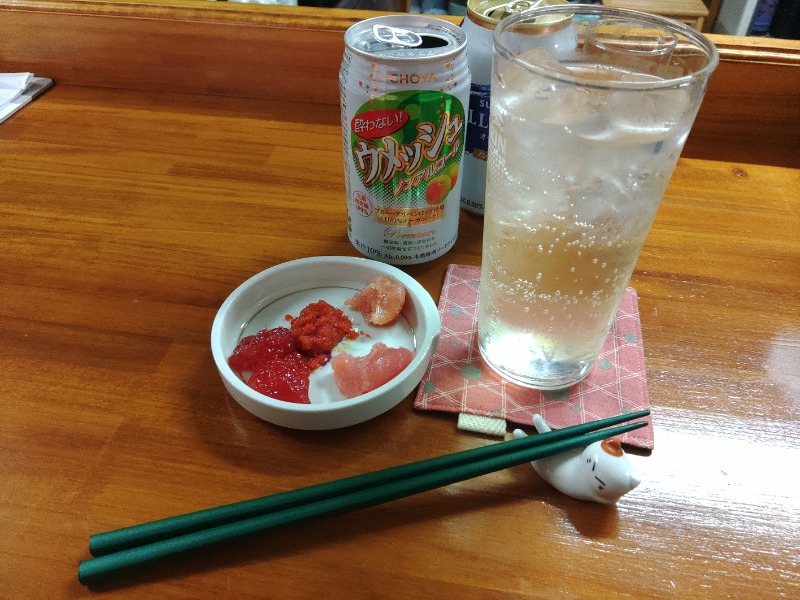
x=458, y=380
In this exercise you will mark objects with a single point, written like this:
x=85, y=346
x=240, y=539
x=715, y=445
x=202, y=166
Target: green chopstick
x=146, y=533
x=96, y=569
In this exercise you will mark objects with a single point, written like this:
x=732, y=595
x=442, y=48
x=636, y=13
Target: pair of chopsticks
x=123, y=549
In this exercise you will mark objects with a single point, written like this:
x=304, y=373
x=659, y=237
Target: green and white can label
x=406, y=150
x=403, y=130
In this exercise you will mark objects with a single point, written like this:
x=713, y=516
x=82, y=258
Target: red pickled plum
x=276, y=367
x=284, y=378
x=264, y=346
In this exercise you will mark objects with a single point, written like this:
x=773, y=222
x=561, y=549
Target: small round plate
x=271, y=297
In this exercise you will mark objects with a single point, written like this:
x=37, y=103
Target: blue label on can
x=478, y=121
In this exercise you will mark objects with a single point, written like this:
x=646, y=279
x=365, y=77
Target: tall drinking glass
x=590, y=109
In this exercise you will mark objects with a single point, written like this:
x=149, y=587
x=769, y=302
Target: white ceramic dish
x=265, y=299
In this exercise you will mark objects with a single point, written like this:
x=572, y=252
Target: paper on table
x=12, y=85
x=18, y=89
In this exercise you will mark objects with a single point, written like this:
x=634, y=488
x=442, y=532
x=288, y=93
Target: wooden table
x=130, y=212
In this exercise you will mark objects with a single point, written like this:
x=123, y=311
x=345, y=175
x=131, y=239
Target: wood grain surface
x=126, y=218
x=751, y=112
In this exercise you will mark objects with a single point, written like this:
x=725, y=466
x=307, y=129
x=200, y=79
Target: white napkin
x=18, y=89
x=12, y=85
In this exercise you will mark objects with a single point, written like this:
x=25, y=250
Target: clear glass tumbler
x=590, y=108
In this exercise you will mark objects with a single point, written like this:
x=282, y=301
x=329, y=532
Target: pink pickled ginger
x=356, y=375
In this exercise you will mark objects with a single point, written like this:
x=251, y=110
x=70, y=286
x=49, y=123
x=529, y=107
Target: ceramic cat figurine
x=600, y=472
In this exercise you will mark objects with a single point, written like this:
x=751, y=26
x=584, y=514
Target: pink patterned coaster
x=459, y=381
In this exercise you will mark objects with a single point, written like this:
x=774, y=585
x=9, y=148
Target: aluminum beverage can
x=478, y=25
x=404, y=86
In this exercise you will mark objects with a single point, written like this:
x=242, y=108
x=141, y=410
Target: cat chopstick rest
x=600, y=472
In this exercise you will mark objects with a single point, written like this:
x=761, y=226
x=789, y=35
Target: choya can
x=479, y=24
x=404, y=86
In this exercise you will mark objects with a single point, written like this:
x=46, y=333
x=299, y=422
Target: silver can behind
x=482, y=17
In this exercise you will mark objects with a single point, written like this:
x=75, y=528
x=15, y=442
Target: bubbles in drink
x=575, y=176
